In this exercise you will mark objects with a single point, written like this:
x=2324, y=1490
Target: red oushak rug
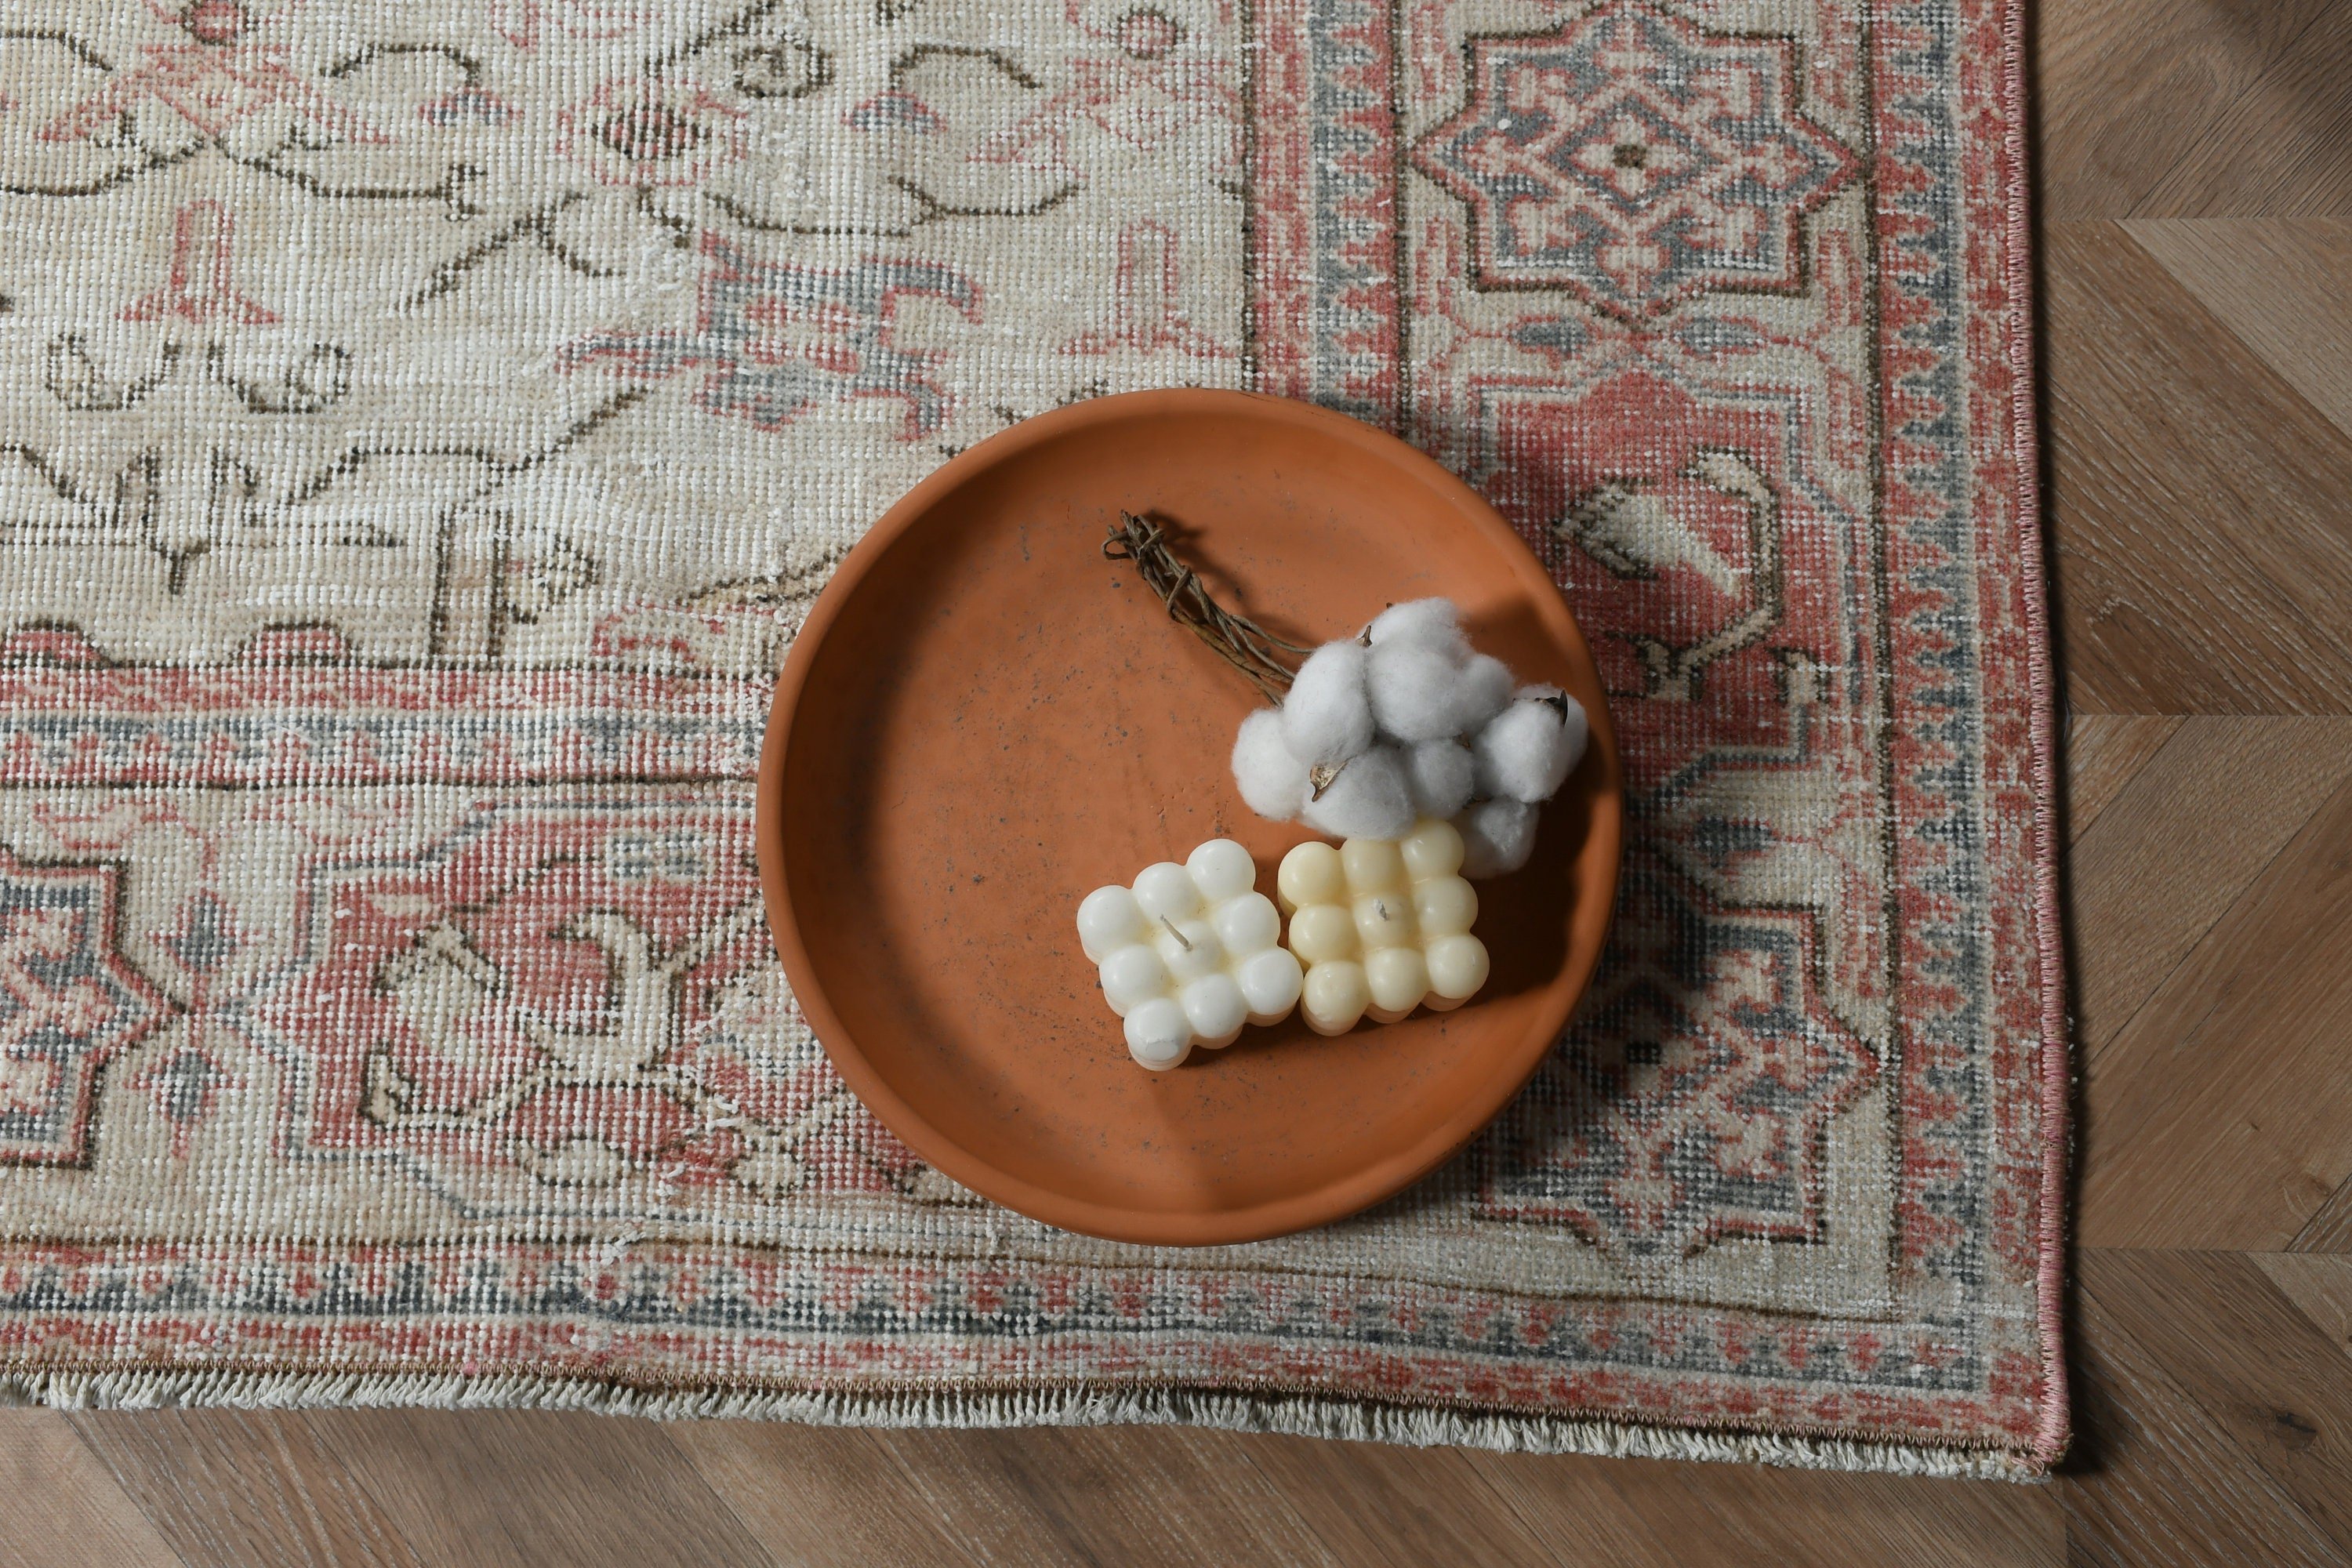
x=422, y=428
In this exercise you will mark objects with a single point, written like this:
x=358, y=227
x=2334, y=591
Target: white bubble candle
x=1189, y=954
x=1383, y=926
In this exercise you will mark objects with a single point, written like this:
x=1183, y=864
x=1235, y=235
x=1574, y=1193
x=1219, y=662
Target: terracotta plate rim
x=1334, y=1200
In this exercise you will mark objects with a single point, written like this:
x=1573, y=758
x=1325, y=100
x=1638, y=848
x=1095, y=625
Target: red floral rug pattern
x=426, y=429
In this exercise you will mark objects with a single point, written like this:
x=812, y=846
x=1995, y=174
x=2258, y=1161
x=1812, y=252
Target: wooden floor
x=2197, y=244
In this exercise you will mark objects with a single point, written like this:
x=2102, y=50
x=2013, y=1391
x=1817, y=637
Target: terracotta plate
x=983, y=720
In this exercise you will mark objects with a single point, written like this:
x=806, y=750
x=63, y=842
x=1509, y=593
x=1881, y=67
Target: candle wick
x=1174, y=932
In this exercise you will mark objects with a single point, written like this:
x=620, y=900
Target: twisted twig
x=1238, y=640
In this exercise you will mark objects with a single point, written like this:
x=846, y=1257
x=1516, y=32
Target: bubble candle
x=1189, y=954
x=1382, y=927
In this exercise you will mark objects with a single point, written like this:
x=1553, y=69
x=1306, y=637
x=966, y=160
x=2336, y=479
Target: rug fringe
x=1297, y=1415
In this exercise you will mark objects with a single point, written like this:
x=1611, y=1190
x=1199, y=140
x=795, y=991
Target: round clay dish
x=983, y=720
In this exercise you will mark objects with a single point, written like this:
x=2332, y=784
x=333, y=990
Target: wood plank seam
x=2284, y=387
x=2282, y=55
x=2189, y=952
x=2333, y=1215
x=2091, y=1465
x=128, y=1490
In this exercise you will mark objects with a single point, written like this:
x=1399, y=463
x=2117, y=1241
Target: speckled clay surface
x=983, y=720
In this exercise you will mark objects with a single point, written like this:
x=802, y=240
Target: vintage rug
x=422, y=427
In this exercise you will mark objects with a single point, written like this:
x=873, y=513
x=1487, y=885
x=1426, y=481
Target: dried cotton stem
x=1238, y=640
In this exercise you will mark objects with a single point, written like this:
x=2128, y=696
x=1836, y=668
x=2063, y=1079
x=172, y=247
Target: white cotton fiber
x=1498, y=837
x=1441, y=774
x=1487, y=685
x=1417, y=691
x=1326, y=716
x=1367, y=798
x=1525, y=752
x=1426, y=623
x=1409, y=722
x=1272, y=781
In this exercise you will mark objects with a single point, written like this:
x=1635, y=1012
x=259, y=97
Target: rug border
x=1292, y=1415
x=2053, y=1430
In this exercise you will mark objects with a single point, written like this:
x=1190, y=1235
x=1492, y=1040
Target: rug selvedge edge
x=1353, y=1420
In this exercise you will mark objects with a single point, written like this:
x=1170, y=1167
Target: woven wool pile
x=423, y=427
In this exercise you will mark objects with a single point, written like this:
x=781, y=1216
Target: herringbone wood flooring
x=2197, y=249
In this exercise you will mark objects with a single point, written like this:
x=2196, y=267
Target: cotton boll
x=1369, y=798
x=1515, y=751
x=1272, y=781
x=1486, y=691
x=1417, y=690
x=1434, y=624
x=1498, y=837
x=1525, y=752
x=1327, y=718
x=1441, y=774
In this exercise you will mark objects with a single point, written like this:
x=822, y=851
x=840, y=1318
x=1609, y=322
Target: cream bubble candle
x=1189, y=954
x=1383, y=926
